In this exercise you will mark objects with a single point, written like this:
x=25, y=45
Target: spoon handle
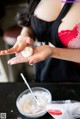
x=29, y=88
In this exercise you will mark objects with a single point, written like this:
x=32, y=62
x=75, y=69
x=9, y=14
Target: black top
x=42, y=29
x=47, y=31
x=53, y=70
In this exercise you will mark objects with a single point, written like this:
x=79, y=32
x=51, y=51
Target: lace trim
x=75, y=42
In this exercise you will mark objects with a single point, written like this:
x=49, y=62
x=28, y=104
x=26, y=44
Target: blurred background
x=8, y=33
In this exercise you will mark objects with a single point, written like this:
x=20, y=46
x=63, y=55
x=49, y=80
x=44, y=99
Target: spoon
x=35, y=98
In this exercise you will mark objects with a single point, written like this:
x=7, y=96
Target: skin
x=44, y=52
x=39, y=54
x=24, y=39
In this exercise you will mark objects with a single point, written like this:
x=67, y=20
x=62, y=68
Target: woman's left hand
x=40, y=53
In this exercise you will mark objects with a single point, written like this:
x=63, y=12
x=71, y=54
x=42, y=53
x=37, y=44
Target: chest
x=48, y=10
x=71, y=38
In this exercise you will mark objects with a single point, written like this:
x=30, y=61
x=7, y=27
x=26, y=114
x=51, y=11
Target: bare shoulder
x=48, y=10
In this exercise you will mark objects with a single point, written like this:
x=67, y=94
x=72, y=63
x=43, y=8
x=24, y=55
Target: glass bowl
x=27, y=106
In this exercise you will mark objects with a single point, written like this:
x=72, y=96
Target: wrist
x=24, y=32
x=27, y=31
x=52, y=51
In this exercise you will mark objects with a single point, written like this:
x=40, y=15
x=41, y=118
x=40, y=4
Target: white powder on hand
x=28, y=51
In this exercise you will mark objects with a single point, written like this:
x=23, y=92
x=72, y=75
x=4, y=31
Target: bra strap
x=65, y=9
x=56, y=41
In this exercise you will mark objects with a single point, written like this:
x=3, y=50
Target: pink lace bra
x=70, y=38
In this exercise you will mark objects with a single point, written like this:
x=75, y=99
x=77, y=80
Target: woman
x=64, y=34
x=35, y=7
x=26, y=37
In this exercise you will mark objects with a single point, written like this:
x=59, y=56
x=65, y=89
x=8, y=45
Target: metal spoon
x=30, y=89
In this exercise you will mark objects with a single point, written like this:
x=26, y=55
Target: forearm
x=66, y=54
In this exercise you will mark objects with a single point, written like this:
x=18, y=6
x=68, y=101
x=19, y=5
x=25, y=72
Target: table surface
x=10, y=91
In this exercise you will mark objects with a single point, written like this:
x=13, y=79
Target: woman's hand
x=40, y=53
x=21, y=43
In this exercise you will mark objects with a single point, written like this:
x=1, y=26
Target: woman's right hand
x=21, y=43
x=23, y=40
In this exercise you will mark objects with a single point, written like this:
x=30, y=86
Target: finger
x=20, y=48
x=34, y=59
x=9, y=51
x=28, y=40
x=2, y=52
x=18, y=59
x=12, y=50
x=21, y=43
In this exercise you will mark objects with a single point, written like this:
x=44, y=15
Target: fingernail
x=10, y=63
x=31, y=63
